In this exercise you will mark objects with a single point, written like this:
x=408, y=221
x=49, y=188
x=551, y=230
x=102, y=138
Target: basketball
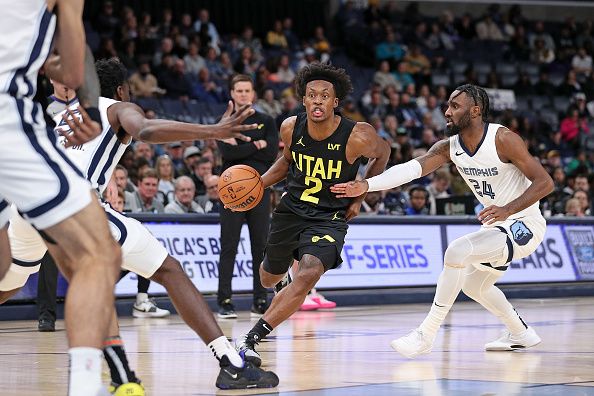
x=240, y=188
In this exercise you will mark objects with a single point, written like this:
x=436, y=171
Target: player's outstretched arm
x=398, y=175
x=278, y=170
x=131, y=117
x=511, y=148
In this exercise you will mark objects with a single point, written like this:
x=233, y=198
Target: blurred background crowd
x=403, y=65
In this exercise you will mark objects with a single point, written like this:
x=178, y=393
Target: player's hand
x=261, y=144
x=230, y=141
x=81, y=131
x=353, y=209
x=350, y=189
x=493, y=213
x=111, y=192
x=230, y=125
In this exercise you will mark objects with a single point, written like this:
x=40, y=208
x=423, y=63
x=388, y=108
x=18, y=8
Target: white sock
x=221, y=347
x=449, y=286
x=85, y=371
x=140, y=297
x=494, y=300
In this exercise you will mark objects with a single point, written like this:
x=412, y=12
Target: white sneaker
x=148, y=309
x=509, y=342
x=413, y=344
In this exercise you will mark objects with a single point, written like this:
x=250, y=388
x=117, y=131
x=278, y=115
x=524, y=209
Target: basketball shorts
x=524, y=234
x=35, y=174
x=142, y=253
x=292, y=236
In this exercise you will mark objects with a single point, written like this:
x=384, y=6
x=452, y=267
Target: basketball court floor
x=339, y=352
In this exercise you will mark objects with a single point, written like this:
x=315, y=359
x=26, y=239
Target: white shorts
x=35, y=173
x=142, y=253
x=523, y=237
x=4, y=213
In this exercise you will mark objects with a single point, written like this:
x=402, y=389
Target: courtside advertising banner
x=581, y=242
x=549, y=263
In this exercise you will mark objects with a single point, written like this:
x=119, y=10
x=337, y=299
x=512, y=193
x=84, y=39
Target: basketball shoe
x=413, y=344
x=321, y=301
x=148, y=309
x=248, y=376
x=510, y=342
x=247, y=350
x=227, y=310
x=259, y=308
x=128, y=389
x=309, y=304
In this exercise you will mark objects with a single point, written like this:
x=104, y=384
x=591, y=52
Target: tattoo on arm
x=439, y=149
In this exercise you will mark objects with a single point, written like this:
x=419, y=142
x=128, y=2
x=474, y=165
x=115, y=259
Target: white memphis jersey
x=26, y=35
x=492, y=181
x=96, y=159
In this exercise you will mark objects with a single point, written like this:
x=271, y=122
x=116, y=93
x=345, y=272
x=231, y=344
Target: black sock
x=116, y=359
x=259, y=331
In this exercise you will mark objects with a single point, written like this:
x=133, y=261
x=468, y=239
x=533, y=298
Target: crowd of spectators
x=403, y=65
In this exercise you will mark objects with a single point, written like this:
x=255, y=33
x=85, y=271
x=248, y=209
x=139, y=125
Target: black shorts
x=292, y=236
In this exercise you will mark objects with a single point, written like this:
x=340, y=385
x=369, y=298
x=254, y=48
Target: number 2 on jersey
x=487, y=190
x=306, y=195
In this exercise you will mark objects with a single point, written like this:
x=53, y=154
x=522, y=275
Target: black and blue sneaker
x=246, y=377
x=246, y=347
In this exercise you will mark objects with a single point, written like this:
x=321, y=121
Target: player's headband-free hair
x=321, y=78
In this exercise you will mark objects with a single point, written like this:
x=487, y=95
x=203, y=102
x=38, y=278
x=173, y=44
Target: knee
x=309, y=273
x=457, y=252
x=169, y=269
x=267, y=279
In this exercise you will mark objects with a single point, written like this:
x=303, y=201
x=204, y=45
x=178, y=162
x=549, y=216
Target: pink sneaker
x=322, y=302
x=309, y=304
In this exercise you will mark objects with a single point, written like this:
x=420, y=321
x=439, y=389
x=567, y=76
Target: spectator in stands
x=487, y=29
x=268, y=104
x=165, y=173
x=107, y=49
x=193, y=61
x=144, y=150
x=128, y=55
x=570, y=86
x=519, y=49
x=106, y=22
x=540, y=34
x=375, y=107
x=428, y=139
x=391, y=127
x=204, y=89
x=523, y=85
x=418, y=197
x=582, y=197
x=438, y=188
x=202, y=168
x=389, y=49
x=565, y=44
x=166, y=49
x=275, y=38
x=246, y=64
x=210, y=202
x=183, y=201
x=120, y=175
x=417, y=64
x=573, y=128
x=292, y=39
x=176, y=83
x=541, y=54
x=544, y=86
x=384, y=78
x=573, y=207
x=321, y=44
x=247, y=39
x=208, y=29
x=191, y=158
x=465, y=27
x=144, y=199
x=143, y=83
x=438, y=40
x=290, y=107
x=582, y=62
x=176, y=154
x=437, y=115
x=165, y=25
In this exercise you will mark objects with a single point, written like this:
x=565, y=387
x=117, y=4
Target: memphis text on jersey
x=484, y=172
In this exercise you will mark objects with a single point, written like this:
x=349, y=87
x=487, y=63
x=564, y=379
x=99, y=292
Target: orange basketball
x=240, y=188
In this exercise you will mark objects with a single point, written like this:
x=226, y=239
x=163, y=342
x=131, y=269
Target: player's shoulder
x=289, y=123
x=504, y=135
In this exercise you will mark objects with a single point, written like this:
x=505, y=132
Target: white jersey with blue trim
x=26, y=35
x=492, y=181
x=96, y=159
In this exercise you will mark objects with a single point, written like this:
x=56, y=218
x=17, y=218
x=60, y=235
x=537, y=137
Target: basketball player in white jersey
x=508, y=182
x=142, y=252
x=47, y=189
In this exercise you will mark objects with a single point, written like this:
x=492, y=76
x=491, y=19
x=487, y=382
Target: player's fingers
x=242, y=137
x=229, y=109
x=246, y=127
x=243, y=113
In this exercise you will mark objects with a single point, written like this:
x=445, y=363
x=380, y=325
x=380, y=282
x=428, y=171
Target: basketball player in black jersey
x=310, y=223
